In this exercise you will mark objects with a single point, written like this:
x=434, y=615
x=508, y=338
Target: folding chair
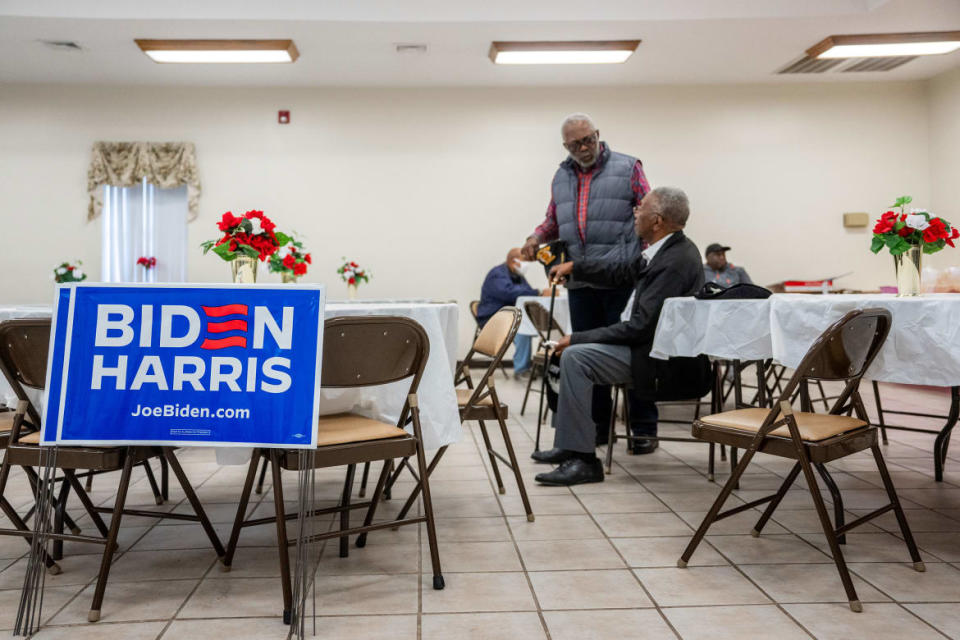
x=359, y=351
x=474, y=306
x=842, y=353
x=23, y=359
x=480, y=402
x=543, y=323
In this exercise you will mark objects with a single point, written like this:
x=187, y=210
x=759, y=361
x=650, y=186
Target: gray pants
x=581, y=367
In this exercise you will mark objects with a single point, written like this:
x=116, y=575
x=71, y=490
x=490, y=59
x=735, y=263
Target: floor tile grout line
x=506, y=520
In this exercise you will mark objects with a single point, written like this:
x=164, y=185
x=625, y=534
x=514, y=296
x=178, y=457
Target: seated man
x=668, y=267
x=721, y=272
x=501, y=288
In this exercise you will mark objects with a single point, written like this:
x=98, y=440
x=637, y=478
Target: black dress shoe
x=641, y=447
x=573, y=471
x=551, y=456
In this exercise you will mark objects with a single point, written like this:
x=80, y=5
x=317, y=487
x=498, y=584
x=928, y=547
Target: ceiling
x=353, y=43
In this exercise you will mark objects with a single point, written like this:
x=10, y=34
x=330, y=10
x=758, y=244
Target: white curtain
x=144, y=221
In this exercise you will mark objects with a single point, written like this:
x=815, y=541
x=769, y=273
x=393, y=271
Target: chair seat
x=463, y=397
x=342, y=428
x=814, y=427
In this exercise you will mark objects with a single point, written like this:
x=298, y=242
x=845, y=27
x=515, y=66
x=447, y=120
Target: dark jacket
x=609, y=231
x=675, y=271
x=501, y=288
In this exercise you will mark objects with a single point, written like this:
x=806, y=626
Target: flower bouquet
x=67, y=272
x=351, y=273
x=147, y=263
x=245, y=240
x=908, y=236
x=290, y=260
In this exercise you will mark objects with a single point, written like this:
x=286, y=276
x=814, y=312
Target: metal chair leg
x=263, y=475
x=363, y=480
x=282, y=543
x=492, y=457
x=241, y=510
x=345, y=513
x=898, y=510
x=513, y=460
x=111, y=543
x=374, y=501
x=157, y=494
x=773, y=504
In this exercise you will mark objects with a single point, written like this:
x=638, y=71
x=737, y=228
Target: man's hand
x=529, y=249
x=559, y=273
x=562, y=344
x=547, y=292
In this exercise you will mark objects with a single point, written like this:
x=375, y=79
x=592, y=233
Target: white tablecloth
x=438, y=401
x=923, y=346
x=561, y=312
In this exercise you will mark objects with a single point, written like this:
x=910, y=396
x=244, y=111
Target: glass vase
x=244, y=270
x=908, y=266
x=352, y=291
x=289, y=278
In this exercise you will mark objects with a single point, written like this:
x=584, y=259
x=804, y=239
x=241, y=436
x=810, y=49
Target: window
x=144, y=221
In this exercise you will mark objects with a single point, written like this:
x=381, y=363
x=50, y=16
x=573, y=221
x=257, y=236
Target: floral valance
x=125, y=164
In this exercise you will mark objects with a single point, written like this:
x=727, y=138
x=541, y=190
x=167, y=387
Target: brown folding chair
x=23, y=359
x=543, y=323
x=474, y=306
x=361, y=351
x=480, y=402
x=842, y=353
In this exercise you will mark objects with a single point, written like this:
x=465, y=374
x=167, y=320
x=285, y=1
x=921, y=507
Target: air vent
x=806, y=64
x=62, y=45
x=411, y=49
x=878, y=64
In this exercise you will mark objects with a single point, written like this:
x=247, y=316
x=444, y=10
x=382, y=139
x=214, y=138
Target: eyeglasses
x=582, y=142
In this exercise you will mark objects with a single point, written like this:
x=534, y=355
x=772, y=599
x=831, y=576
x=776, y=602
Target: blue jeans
x=521, y=355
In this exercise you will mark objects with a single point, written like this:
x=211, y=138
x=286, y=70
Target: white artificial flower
x=257, y=229
x=916, y=221
x=77, y=273
x=61, y=271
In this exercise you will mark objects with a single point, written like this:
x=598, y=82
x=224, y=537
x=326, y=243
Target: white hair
x=578, y=117
x=672, y=204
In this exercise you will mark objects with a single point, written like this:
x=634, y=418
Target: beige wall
x=944, y=118
x=428, y=188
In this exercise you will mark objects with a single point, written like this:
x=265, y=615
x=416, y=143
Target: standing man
x=721, y=272
x=591, y=209
x=501, y=288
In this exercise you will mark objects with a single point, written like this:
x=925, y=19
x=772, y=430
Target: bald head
x=514, y=257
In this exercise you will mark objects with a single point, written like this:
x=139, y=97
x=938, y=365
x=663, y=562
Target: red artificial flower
x=307, y=258
x=352, y=281
x=354, y=265
x=70, y=267
x=299, y=269
x=289, y=262
x=903, y=217
x=954, y=234
x=885, y=223
x=228, y=221
x=936, y=231
x=904, y=232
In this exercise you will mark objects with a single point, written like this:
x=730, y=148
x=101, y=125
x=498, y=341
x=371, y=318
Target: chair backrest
x=362, y=351
x=474, y=307
x=24, y=344
x=498, y=333
x=843, y=352
x=541, y=320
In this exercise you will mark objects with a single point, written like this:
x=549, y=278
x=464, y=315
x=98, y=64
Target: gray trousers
x=581, y=367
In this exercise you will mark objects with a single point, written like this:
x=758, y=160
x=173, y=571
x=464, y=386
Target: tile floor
x=599, y=562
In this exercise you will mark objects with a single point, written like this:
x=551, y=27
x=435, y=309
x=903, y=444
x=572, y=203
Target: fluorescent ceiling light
x=219, y=51
x=883, y=45
x=598, y=52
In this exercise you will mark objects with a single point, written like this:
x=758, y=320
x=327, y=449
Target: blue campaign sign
x=184, y=365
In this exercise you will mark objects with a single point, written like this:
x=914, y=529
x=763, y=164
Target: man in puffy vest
x=591, y=209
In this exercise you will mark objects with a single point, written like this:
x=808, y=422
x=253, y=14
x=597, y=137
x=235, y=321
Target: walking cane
x=547, y=260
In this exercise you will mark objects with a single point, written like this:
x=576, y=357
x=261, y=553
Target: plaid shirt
x=549, y=229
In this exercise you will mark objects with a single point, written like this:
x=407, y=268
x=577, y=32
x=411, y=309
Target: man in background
x=591, y=209
x=721, y=272
x=501, y=288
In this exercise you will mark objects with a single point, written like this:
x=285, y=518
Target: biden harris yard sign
x=184, y=365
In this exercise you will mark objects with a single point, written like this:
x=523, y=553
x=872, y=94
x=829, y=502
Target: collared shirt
x=730, y=276
x=651, y=251
x=549, y=230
